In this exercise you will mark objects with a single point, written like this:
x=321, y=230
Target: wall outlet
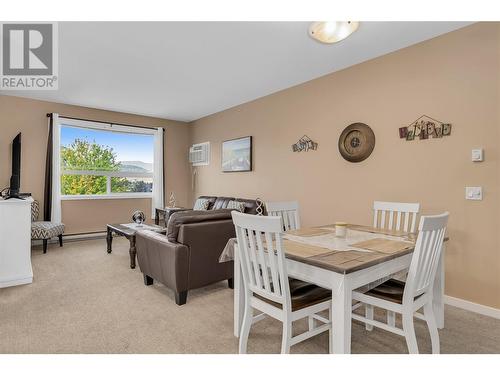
x=477, y=155
x=474, y=193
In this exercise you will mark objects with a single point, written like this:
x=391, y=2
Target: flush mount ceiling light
x=332, y=31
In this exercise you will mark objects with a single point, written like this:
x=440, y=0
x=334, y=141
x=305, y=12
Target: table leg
x=132, y=252
x=109, y=240
x=239, y=295
x=438, y=292
x=340, y=340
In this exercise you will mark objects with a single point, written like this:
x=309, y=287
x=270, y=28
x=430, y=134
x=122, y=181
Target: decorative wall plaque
x=304, y=144
x=356, y=142
x=425, y=127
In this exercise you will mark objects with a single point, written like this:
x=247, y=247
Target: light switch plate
x=474, y=193
x=477, y=155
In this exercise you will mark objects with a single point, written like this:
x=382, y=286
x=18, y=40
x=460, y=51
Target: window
x=105, y=161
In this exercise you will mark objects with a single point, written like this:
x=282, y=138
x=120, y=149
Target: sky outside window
x=127, y=147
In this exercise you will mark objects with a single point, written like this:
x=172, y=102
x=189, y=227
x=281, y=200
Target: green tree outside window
x=83, y=155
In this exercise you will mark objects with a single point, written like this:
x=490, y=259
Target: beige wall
x=29, y=117
x=454, y=78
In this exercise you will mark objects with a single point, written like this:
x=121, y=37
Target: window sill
x=107, y=196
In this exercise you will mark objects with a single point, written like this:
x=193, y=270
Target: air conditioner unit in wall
x=199, y=154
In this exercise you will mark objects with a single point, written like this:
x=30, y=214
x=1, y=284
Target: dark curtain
x=47, y=196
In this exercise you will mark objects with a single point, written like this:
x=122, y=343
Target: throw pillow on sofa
x=235, y=205
x=201, y=204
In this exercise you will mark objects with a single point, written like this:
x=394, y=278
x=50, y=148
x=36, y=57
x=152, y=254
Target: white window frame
x=84, y=124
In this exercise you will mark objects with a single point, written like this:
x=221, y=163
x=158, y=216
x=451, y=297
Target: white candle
x=340, y=229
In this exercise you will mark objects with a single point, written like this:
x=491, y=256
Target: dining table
x=363, y=258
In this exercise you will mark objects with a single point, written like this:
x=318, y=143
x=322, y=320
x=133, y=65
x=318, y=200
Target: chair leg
x=230, y=283
x=60, y=240
x=431, y=324
x=391, y=318
x=368, y=315
x=409, y=330
x=45, y=246
x=287, y=337
x=245, y=329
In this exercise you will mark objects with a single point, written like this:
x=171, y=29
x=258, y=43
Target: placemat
x=302, y=250
x=383, y=245
x=309, y=232
x=389, y=232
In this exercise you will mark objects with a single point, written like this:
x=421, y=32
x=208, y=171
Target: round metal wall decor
x=356, y=142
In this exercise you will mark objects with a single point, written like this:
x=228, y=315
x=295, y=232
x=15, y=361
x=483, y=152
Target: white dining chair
x=267, y=287
x=392, y=216
x=406, y=298
x=395, y=215
x=288, y=211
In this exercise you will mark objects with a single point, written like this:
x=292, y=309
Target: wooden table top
x=379, y=247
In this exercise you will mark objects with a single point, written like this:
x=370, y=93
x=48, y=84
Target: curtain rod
x=105, y=122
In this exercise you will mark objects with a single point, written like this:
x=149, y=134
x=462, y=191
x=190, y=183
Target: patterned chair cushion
x=43, y=230
x=35, y=210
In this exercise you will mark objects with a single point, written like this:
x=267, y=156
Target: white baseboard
x=85, y=236
x=471, y=306
x=72, y=237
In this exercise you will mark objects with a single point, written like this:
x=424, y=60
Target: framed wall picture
x=237, y=155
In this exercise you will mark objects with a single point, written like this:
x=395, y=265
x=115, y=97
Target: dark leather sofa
x=187, y=257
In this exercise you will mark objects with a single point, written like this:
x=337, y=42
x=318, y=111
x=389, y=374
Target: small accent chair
x=393, y=216
x=44, y=230
x=288, y=211
x=406, y=298
x=267, y=286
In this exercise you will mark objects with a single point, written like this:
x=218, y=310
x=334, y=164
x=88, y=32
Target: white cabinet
x=15, y=242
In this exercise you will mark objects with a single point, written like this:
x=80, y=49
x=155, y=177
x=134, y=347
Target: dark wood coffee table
x=129, y=233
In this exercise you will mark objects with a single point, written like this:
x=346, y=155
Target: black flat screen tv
x=15, y=179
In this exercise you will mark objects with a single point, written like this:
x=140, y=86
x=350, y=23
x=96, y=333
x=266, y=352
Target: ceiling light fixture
x=332, y=31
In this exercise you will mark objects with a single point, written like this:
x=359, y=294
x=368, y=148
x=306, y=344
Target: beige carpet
x=84, y=300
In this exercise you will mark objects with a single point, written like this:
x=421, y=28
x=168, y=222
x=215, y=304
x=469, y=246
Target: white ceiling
x=188, y=70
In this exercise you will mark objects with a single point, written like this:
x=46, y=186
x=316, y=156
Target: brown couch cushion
x=186, y=217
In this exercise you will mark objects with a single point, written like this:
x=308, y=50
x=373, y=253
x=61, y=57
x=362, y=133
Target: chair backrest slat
x=273, y=263
x=382, y=220
x=405, y=213
x=262, y=261
x=287, y=211
x=253, y=258
x=398, y=221
x=426, y=256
